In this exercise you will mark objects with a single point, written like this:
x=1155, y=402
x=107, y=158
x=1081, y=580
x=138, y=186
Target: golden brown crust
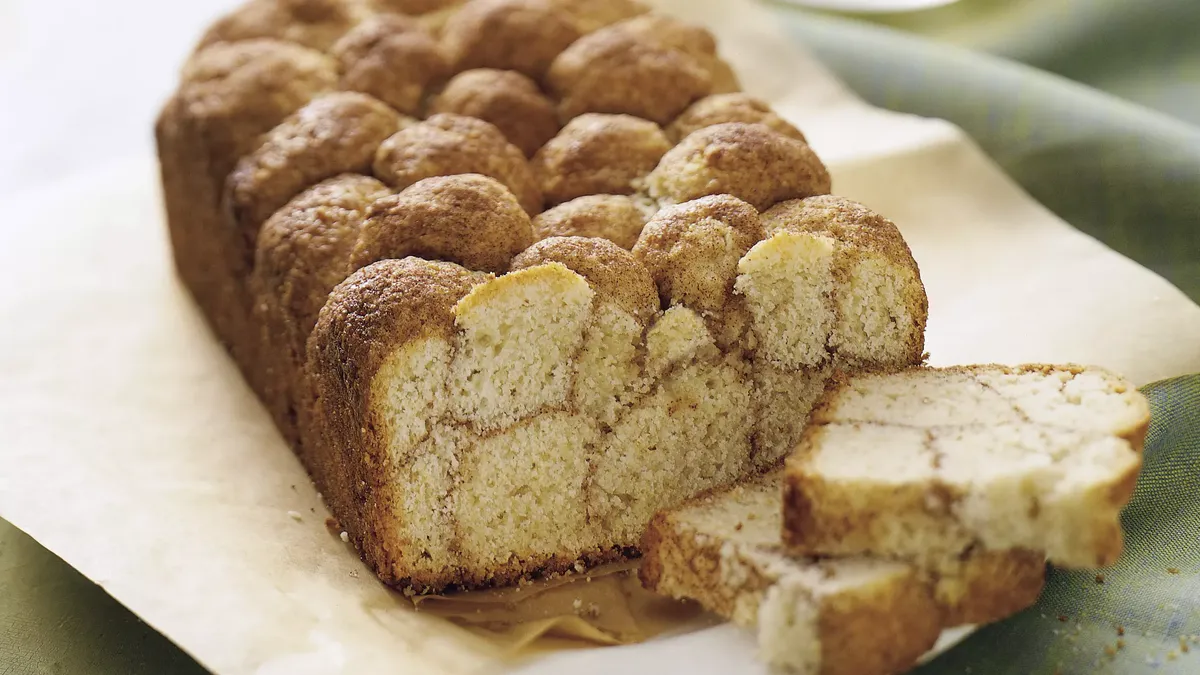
x=316, y=24
x=748, y=161
x=598, y=154
x=877, y=630
x=236, y=92
x=509, y=100
x=847, y=221
x=333, y=134
x=467, y=219
x=611, y=270
x=616, y=218
x=995, y=585
x=369, y=315
x=392, y=58
x=447, y=145
x=413, y=7
x=520, y=35
x=690, y=255
x=589, y=15
x=609, y=71
x=302, y=253
x=229, y=96
x=734, y=107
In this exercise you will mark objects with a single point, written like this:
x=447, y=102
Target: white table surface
x=81, y=81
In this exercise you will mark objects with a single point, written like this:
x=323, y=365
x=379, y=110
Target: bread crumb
x=333, y=525
x=344, y=537
x=1120, y=643
x=353, y=574
x=1172, y=655
x=1172, y=570
x=1183, y=645
x=1110, y=651
x=738, y=527
x=295, y=515
x=1120, y=630
x=1099, y=578
x=1062, y=618
x=577, y=604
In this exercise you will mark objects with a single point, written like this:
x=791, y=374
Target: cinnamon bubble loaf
x=511, y=276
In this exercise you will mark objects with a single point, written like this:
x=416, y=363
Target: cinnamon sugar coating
x=611, y=71
x=232, y=93
x=520, y=35
x=392, y=58
x=723, y=108
x=316, y=24
x=687, y=38
x=413, y=7
x=616, y=218
x=612, y=271
x=590, y=15
x=335, y=133
x=748, y=161
x=598, y=154
x=692, y=250
x=507, y=99
x=302, y=254
x=448, y=144
x=304, y=248
x=467, y=219
x=842, y=219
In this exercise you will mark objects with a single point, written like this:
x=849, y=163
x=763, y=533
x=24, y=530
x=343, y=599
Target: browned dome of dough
x=335, y=133
x=313, y=23
x=841, y=219
x=232, y=93
x=616, y=218
x=374, y=311
x=692, y=249
x=591, y=15
x=302, y=254
x=610, y=71
x=611, y=270
x=521, y=35
x=304, y=249
x=692, y=39
x=468, y=219
x=598, y=154
x=412, y=7
x=448, y=144
x=391, y=58
x=509, y=100
x=748, y=161
x=735, y=107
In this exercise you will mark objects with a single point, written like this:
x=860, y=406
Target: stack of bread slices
x=513, y=276
x=916, y=501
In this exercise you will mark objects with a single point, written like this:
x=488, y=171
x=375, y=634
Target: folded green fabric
x=1121, y=173
x=1145, y=611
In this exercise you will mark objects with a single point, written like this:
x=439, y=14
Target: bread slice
x=927, y=463
x=850, y=615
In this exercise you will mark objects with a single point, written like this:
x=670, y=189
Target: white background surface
x=81, y=82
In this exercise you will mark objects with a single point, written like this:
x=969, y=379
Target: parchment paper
x=131, y=448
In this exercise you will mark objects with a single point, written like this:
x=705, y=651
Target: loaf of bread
x=862, y=615
x=929, y=463
x=513, y=275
